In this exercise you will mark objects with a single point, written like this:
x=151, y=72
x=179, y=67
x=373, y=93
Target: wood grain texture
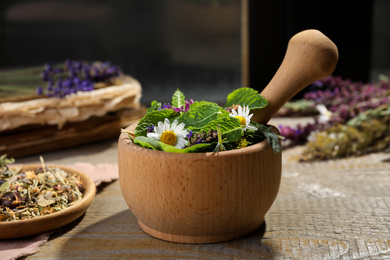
x=310, y=56
x=25, y=228
x=326, y=210
x=199, y=197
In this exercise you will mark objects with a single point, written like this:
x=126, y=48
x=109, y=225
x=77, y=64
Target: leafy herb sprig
x=187, y=126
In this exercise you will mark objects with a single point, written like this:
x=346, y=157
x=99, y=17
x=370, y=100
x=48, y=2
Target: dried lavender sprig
x=75, y=76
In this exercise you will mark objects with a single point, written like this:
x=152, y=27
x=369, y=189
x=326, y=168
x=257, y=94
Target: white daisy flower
x=242, y=114
x=170, y=134
x=325, y=114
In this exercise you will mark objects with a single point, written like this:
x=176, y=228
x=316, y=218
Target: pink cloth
x=15, y=248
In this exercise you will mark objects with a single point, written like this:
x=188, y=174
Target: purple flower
x=50, y=86
x=190, y=134
x=188, y=104
x=184, y=108
x=150, y=128
x=39, y=90
x=45, y=75
x=81, y=76
x=67, y=83
x=166, y=106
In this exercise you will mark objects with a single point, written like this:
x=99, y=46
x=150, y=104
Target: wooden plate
x=30, y=227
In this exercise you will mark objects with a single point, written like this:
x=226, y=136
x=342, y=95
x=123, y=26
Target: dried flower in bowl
x=27, y=194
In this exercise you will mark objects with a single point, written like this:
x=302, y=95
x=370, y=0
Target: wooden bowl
x=198, y=197
x=30, y=227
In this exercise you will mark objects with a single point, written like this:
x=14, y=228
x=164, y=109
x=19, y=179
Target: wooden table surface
x=337, y=209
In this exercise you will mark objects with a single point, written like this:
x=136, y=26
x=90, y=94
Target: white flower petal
x=161, y=126
x=167, y=125
x=245, y=111
x=153, y=135
x=159, y=131
x=181, y=135
x=174, y=125
x=233, y=113
x=251, y=127
x=180, y=143
x=321, y=108
x=180, y=128
x=239, y=110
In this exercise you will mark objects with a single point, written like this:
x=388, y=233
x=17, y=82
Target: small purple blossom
x=190, y=134
x=166, y=106
x=184, y=108
x=150, y=128
x=39, y=90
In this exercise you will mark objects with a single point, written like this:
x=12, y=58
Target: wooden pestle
x=310, y=56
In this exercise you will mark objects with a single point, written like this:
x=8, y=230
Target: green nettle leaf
x=153, y=106
x=153, y=117
x=201, y=114
x=264, y=131
x=231, y=128
x=246, y=96
x=178, y=99
x=154, y=144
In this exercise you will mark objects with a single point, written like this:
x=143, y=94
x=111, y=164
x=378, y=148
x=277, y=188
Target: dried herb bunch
x=33, y=193
x=368, y=132
x=344, y=100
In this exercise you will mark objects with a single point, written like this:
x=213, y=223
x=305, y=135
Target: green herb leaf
x=153, y=106
x=178, y=99
x=246, y=96
x=154, y=144
x=201, y=114
x=231, y=128
x=153, y=117
x=264, y=131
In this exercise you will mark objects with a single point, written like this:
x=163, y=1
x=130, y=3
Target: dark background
x=188, y=44
x=347, y=23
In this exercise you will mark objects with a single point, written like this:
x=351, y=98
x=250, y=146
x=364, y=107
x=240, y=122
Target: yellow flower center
x=242, y=120
x=168, y=137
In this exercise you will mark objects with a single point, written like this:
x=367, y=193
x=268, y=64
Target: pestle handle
x=310, y=56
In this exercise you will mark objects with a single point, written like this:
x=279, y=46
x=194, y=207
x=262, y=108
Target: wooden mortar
x=214, y=197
